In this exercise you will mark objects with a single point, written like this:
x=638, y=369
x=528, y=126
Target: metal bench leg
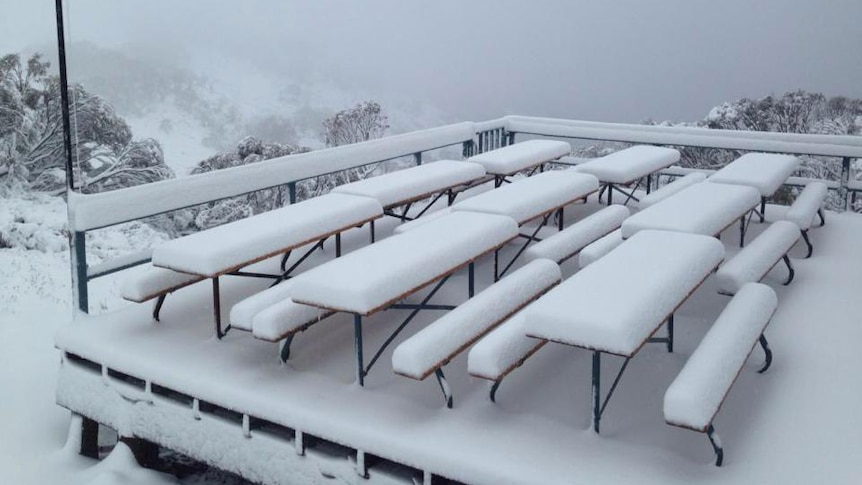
x=284, y=261
x=789, y=269
x=493, y=393
x=357, y=344
x=597, y=389
x=444, y=386
x=670, y=333
x=372, y=232
x=471, y=280
x=767, y=351
x=337, y=245
x=217, y=310
x=159, y=302
x=808, y=243
x=822, y=219
x=715, y=441
x=285, y=348
x=762, y=209
x=601, y=192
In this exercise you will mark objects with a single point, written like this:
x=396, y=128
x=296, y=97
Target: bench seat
x=808, y=204
x=600, y=248
x=696, y=394
x=434, y=346
x=521, y=156
x=569, y=242
x=155, y=282
x=754, y=261
x=671, y=189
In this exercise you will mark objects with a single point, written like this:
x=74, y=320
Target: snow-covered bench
x=808, y=204
x=536, y=197
x=570, y=241
x=404, y=187
x=225, y=249
x=754, y=261
x=694, y=397
x=434, y=346
x=766, y=172
x=153, y=282
x=633, y=164
x=600, y=248
x=671, y=189
x=509, y=160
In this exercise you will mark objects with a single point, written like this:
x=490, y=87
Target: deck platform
x=234, y=405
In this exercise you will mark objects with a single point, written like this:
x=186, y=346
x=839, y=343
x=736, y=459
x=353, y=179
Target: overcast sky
x=613, y=60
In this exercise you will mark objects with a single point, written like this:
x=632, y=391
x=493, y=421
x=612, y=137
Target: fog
x=624, y=60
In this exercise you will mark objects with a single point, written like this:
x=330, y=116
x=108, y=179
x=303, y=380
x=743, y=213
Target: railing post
x=845, y=181
x=291, y=192
x=418, y=158
x=511, y=138
x=78, y=254
x=467, y=149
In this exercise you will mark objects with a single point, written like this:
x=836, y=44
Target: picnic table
x=524, y=200
x=703, y=208
x=766, y=172
x=616, y=304
x=633, y=164
x=225, y=249
x=509, y=160
x=379, y=276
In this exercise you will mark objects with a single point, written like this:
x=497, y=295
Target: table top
x=231, y=246
x=631, y=164
x=371, y=278
x=764, y=171
x=615, y=304
x=528, y=198
x=520, y=156
x=703, y=208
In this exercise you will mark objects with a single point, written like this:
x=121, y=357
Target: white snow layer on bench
x=231, y=246
x=275, y=322
x=527, y=198
x=406, y=226
x=753, y=261
x=243, y=312
x=417, y=356
x=396, y=188
x=596, y=250
x=501, y=349
x=520, y=156
x=153, y=282
x=671, y=189
x=615, y=303
x=763, y=171
x=806, y=205
x=566, y=243
x=630, y=164
x=371, y=277
x=703, y=208
x=694, y=396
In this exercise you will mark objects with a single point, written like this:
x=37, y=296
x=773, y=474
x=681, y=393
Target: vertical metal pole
x=762, y=209
x=648, y=183
x=357, y=344
x=78, y=255
x=338, y=245
x=471, y=280
x=217, y=308
x=845, y=181
x=670, y=333
x=291, y=192
x=89, y=438
x=511, y=138
x=418, y=158
x=597, y=387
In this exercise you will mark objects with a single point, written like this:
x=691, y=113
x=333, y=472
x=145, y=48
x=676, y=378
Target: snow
x=703, y=208
x=377, y=275
x=520, y=156
x=428, y=217
x=153, y=281
x=805, y=207
x=764, y=171
x=283, y=317
x=417, y=356
x=397, y=188
x=568, y=242
x=697, y=392
x=600, y=248
x=243, y=312
x=501, y=349
x=671, y=189
x=90, y=211
x=615, y=303
x=527, y=198
x=756, y=259
x=231, y=246
x=630, y=164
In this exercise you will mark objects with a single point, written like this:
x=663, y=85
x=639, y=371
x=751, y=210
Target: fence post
x=418, y=157
x=78, y=255
x=845, y=181
x=291, y=192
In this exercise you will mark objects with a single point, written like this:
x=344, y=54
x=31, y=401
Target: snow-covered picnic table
x=403, y=187
x=766, y=172
x=527, y=199
x=633, y=164
x=525, y=155
x=381, y=275
x=617, y=303
x=703, y=208
x=226, y=249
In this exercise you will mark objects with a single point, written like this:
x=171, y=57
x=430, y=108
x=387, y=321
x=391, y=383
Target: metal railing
x=89, y=212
